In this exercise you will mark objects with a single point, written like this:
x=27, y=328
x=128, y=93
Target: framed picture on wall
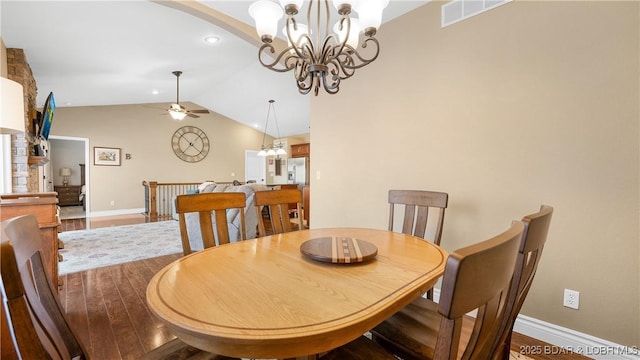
x=106, y=156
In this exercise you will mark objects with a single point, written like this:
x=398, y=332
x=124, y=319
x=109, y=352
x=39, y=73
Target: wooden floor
x=107, y=308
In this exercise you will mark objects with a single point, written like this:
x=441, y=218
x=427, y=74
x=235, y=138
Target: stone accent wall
x=24, y=177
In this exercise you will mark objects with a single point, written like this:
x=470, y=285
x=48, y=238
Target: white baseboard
x=115, y=212
x=563, y=339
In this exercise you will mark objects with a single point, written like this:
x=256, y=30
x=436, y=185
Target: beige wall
x=530, y=103
x=145, y=132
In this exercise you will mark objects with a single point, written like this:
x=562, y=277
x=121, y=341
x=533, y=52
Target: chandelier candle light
x=271, y=150
x=317, y=55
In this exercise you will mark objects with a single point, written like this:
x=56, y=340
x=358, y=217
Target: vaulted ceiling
x=123, y=52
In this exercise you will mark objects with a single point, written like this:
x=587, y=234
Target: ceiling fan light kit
x=318, y=56
x=177, y=112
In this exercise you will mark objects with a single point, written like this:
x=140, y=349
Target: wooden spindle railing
x=159, y=197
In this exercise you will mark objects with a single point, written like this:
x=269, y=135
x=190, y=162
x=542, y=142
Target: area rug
x=71, y=212
x=88, y=249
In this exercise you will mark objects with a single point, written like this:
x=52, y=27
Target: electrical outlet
x=571, y=299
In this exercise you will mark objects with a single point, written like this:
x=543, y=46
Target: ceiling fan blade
x=189, y=114
x=204, y=111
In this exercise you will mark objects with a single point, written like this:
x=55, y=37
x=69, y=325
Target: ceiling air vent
x=458, y=10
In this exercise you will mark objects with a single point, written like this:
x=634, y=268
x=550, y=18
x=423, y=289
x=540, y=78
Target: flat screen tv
x=47, y=116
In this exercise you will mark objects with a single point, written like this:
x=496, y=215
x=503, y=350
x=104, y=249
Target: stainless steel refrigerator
x=298, y=171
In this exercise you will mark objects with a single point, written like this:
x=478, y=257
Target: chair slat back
x=536, y=229
x=476, y=277
x=277, y=202
x=416, y=211
x=35, y=314
x=204, y=204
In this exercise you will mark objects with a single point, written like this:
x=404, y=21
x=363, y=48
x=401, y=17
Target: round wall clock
x=190, y=144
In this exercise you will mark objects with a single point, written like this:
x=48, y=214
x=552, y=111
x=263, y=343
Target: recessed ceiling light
x=211, y=39
x=155, y=92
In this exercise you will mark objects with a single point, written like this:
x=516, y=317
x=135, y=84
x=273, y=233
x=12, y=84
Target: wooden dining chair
x=422, y=313
x=223, y=205
x=476, y=277
x=277, y=203
x=536, y=228
x=34, y=313
x=417, y=205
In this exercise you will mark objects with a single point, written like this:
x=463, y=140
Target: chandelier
x=272, y=149
x=317, y=55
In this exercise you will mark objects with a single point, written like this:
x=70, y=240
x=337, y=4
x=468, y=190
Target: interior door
x=255, y=167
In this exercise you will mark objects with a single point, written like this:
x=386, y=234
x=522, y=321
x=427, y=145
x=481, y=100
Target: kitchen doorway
x=255, y=169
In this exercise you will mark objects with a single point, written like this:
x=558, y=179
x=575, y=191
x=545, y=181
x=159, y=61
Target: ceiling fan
x=177, y=111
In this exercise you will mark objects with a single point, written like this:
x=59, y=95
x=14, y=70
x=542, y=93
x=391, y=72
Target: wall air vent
x=458, y=10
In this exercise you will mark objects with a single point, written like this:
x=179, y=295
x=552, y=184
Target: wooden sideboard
x=45, y=207
x=68, y=195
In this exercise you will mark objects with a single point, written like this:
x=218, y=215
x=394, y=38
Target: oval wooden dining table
x=263, y=298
